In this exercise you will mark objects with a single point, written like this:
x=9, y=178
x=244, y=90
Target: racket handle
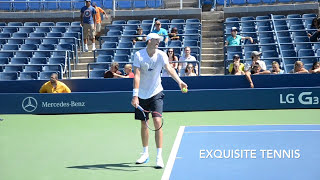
x=140, y=108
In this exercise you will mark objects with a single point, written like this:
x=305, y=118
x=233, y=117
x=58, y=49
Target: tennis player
x=147, y=91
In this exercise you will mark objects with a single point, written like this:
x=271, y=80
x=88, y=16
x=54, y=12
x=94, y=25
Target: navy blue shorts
x=155, y=103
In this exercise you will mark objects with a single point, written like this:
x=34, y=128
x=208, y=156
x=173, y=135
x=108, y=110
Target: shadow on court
x=116, y=167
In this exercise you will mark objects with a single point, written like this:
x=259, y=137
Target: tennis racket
x=151, y=125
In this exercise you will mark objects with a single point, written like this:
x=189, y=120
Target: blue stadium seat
x=309, y=16
x=37, y=34
x=303, y=46
x=125, y=45
x=5, y=76
x=268, y=48
x=35, y=5
x=33, y=68
x=79, y=4
x=76, y=23
x=297, y=27
x=13, y=68
x=29, y=75
x=265, y=35
x=154, y=4
x=146, y=27
x=57, y=60
x=100, y=66
x=290, y=16
x=5, y=35
x=281, y=28
x=54, y=34
x=47, y=47
x=279, y=16
x=287, y=47
x=126, y=39
x=283, y=34
x=264, y=28
x=23, y=54
x=62, y=23
x=301, y=39
x=6, y=6
x=247, y=18
x=237, y=49
x=193, y=26
x=104, y=58
x=59, y=29
x=231, y=54
x=191, y=43
x=31, y=24
x=15, y=41
x=124, y=4
x=254, y=1
x=232, y=19
x=114, y=33
x=140, y=44
x=50, y=41
x=15, y=24
x=3, y=41
x=123, y=52
x=295, y=22
x=9, y=30
x=106, y=52
x=262, y=17
x=266, y=40
x=263, y=23
x=191, y=37
x=67, y=47
x=33, y=41
x=42, y=29
x=19, y=35
x=119, y=22
x=251, y=48
x=238, y=2
x=26, y=30
x=131, y=27
x=177, y=21
x=46, y=75
x=174, y=43
x=270, y=54
x=280, y=22
x=6, y=54
x=133, y=22
x=316, y=46
x=108, y=45
x=51, y=5
x=289, y=53
x=307, y=53
x=121, y=58
x=114, y=28
x=38, y=60
x=4, y=60
x=10, y=47
x=67, y=5
x=129, y=32
x=191, y=31
x=147, y=21
x=97, y=73
x=299, y=33
x=19, y=60
x=49, y=68
x=22, y=5
x=42, y=54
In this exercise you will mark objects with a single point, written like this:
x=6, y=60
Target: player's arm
x=175, y=76
x=248, y=76
x=136, y=84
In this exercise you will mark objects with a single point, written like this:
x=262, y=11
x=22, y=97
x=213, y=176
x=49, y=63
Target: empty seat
x=47, y=47
x=289, y=53
x=263, y=23
x=268, y=48
x=57, y=60
x=28, y=75
x=190, y=43
x=130, y=32
x=54, y=34
x=113, y=33
x=19, y=35
x=131, y=27
x=265, y=35
x=31, y=24
x=282, y=28
x=280, y=23
x=10, y=47
x=8, y=76
x=97, y=73
x=303, y=46
x=19, y=60
x=62, y=24
x=121, y=58
x=37, y=34
x=104, y=58
x=38, y=60
x=251, y=48
x=237, y=49
x=15, y=24
x=123, y=52
x=6, y=54
x=33, y=68
x=140, y=44
x=42, y=29
x=266, y=40
x=42, y=54
x=133, y=22
x=4, y=60
x=109, y=39
x=106, y=52
x=279, y=16
x=55, y=68
x=5, y=35
x=26, y=30
x=125, y=45
x=23, y=54
x=175, y=44
x=47, y=24
x=97, y=66
x=106, y=45
x=8, y=68
x=177, y=21
x=301, y=39
x=46, y=75
x=270, y=54
x=59, y=29
x=262, y=17
x=33, y=41
x=53, y=41
x=119, y=22
x=309, y=16
x=231, y=19
x=287, y=47
x=297, y=27
x=9, y=30
x=293, y=16
x=249, y=29
x=299, y=33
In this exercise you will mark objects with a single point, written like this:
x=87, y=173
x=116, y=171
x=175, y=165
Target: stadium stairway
x=212, y=62
x=186, y=4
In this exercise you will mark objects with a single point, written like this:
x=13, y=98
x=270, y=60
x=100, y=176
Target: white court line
x=173, y=154
x=257, y=125
x=191, y=132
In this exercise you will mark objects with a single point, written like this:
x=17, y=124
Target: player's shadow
x=116, y=167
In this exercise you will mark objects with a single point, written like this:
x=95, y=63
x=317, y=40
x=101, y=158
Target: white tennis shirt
x=150, y=69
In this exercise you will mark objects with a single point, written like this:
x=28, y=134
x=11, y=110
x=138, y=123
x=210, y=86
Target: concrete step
x=79, y=73
x=212, y=63
x=212, y=70
x=209, y=34
x=184, y=5
x=213, y=45
x=212, y=57
x=213, y=15
x=212, y=27
x=212, y=40
x=86, y=60
x=86, y=54
x=210, y=22
x=80, y=66
x=212, y=50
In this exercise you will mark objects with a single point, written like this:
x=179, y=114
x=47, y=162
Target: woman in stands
x=315, y=32
x=189, y=71
x=172, y=57
x=236, y=70
x=276, y=68
x=299, y=68
x=236, y=59
x=315, y=68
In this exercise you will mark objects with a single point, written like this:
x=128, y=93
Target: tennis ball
x=184, y=90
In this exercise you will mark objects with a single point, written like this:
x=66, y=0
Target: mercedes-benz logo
x=29, y=104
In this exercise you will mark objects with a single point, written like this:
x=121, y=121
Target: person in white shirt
x=188, y=58
x=147, y=91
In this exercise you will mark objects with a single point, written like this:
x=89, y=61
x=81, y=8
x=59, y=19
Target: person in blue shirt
x=234, y=39
x=160, y=31
x=88, y=19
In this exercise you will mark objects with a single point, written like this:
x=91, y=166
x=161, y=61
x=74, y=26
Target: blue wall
x=202, y=82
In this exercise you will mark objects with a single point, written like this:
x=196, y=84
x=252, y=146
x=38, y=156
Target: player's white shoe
x=143, y=159
x=93, y=48
x=86, y=49
x=159, y=163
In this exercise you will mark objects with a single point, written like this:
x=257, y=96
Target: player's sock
x=159, y=152
x=145, y=150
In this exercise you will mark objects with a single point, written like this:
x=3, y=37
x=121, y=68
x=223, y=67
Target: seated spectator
x=255, y=56
x=139, y=38
x=256, y=69
x=189, y=71
x=113, y=69
x=315, y=68
x=172, y=57
x=234, y=39
x=276, y=68
x=173, y=35
x=188, y=58
x=236, y=70
x=314, y=34
x=54, y=86
x=161, y=32
x=299, y=68
x=128, y=72
x=236, y=59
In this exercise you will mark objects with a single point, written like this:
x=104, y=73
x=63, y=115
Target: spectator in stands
x=88, y=22
x=236, y=70
x=128, y=72
x=189, y=71
x=99, y=11
x=315, y=68
x=113, y=69
x=160, y=31
x=172, y=57
x=139, y=38
x=256, y=69
x=255, y=56
x=173, y=35
x=234, y=39
x=276, y=68
x=315, y=33
x=54, y=86
x=187, y=57
x=299, y=68
x=236, y=59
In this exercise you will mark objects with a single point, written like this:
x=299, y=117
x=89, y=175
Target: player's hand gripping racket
x=150, y=124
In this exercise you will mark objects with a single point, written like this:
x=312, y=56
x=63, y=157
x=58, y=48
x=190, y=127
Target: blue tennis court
x=245, y=152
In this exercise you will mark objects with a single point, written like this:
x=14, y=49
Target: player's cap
x=236, y=56
x=153, y=36
x=234, y=29
x=255, y=53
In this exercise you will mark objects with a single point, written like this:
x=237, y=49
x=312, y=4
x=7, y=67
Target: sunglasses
x=189, y=67
x=157, y=24
x=170, y=51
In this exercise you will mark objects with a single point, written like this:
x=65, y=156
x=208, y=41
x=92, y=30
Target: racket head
x=150, y=122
